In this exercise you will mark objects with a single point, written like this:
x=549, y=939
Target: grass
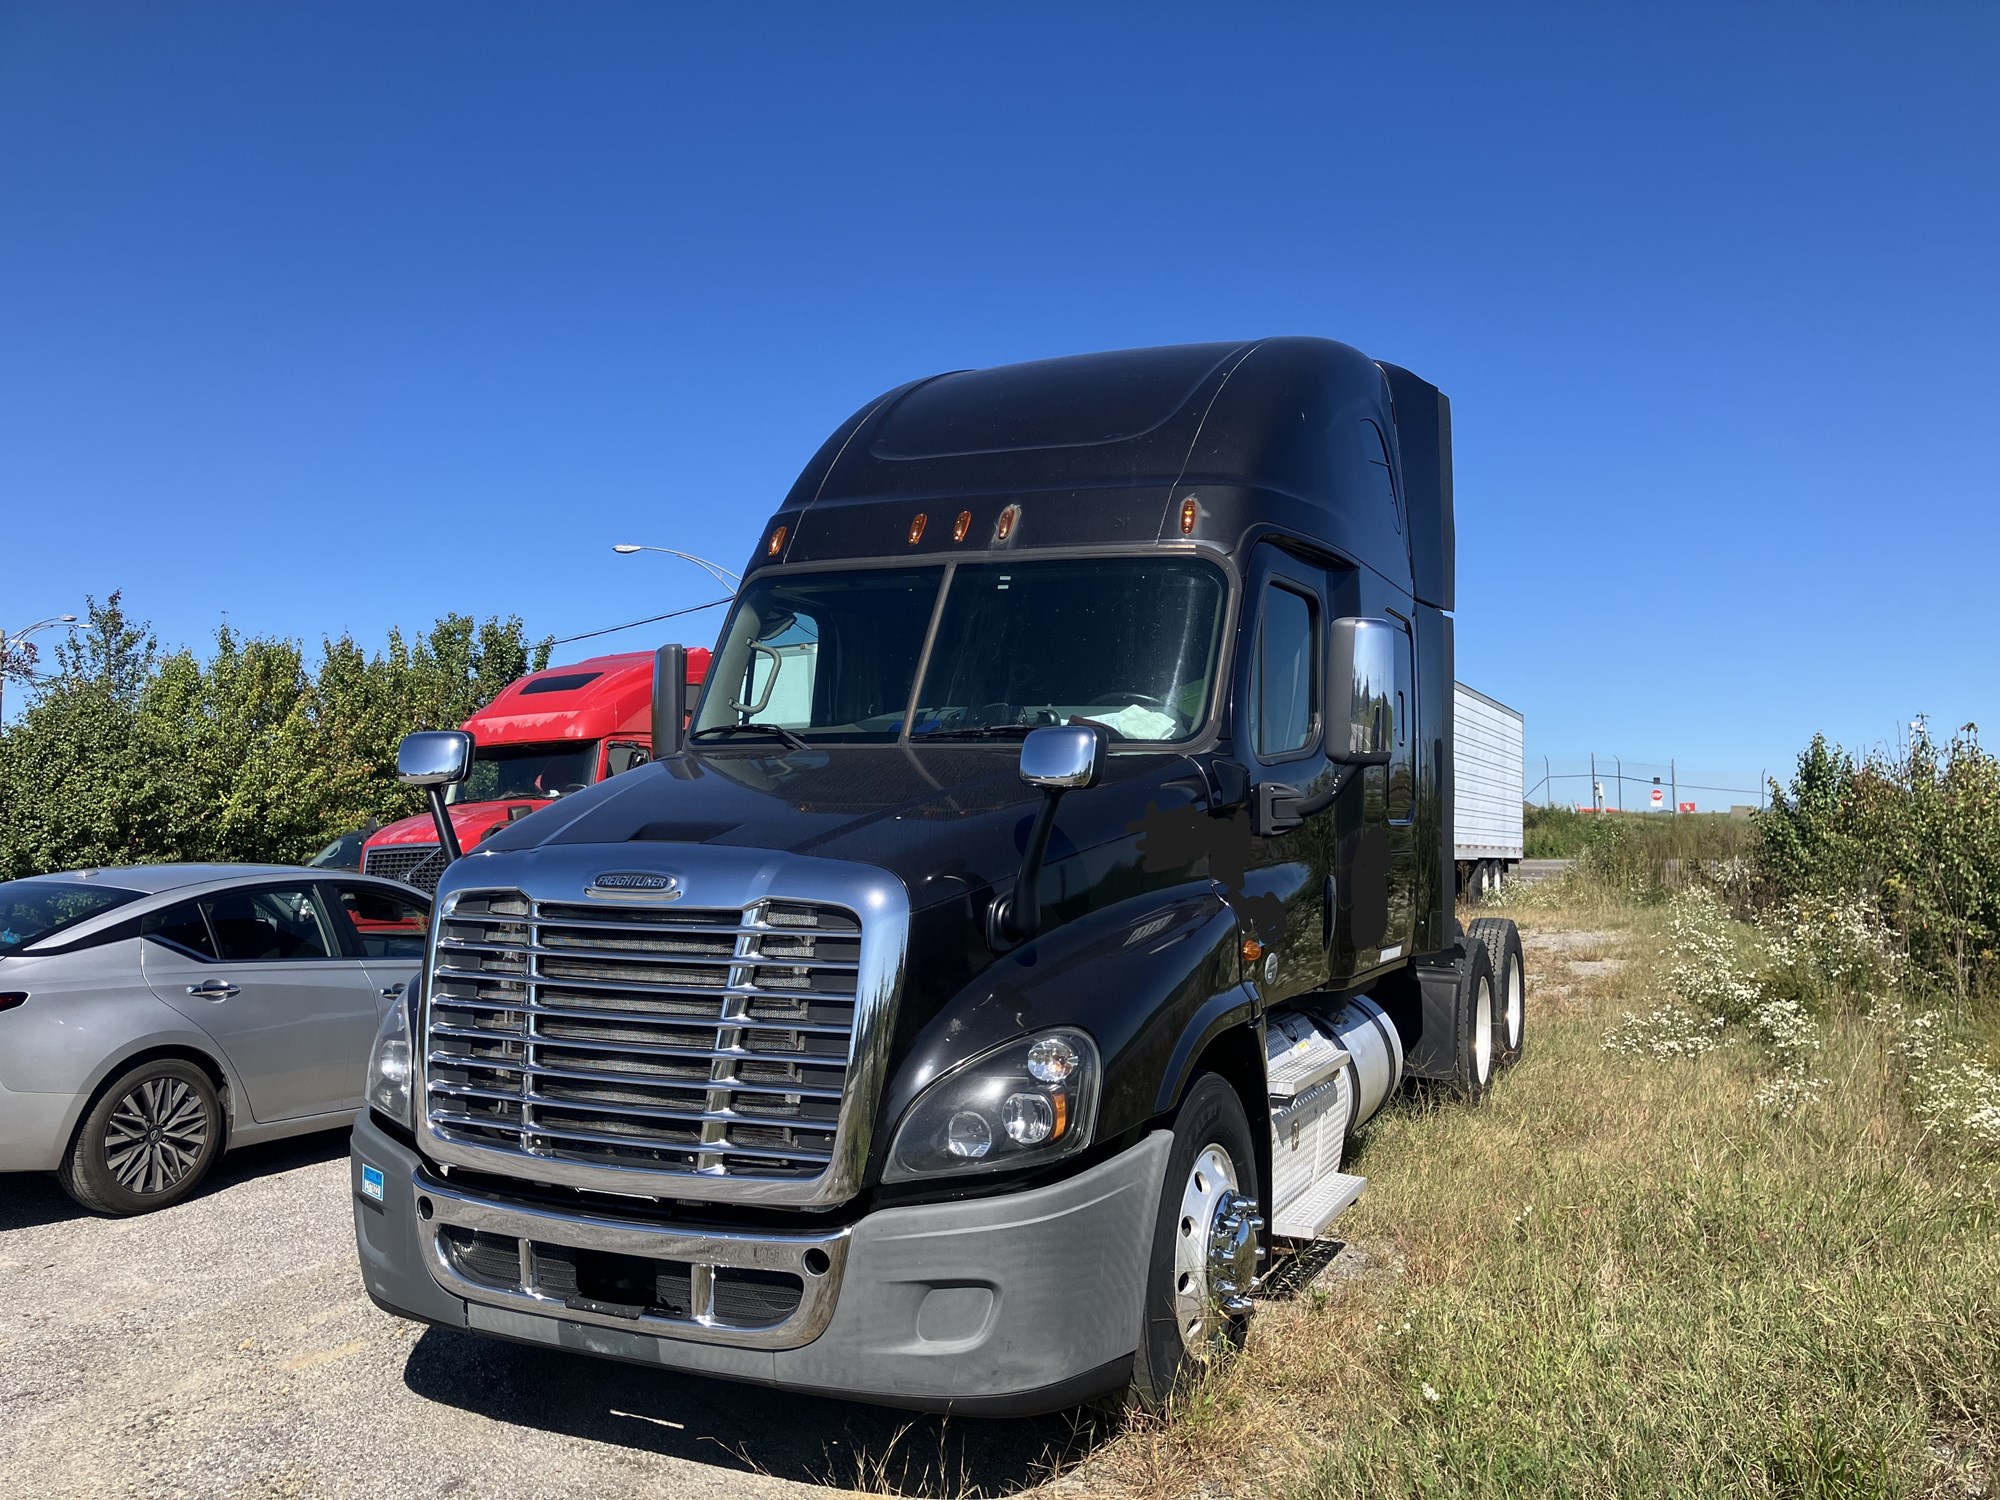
x=1643, y=847
x=1619, y=1277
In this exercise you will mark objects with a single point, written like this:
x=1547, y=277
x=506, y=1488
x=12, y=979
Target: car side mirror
x=1362, y=678
x=434, y=757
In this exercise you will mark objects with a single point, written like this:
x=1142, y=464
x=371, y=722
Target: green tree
x=250, y=752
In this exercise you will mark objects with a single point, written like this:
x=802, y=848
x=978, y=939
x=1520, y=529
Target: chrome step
x=1307, y=1216
x=1299, y=1068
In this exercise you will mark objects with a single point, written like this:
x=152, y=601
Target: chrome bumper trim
x=704, y=1251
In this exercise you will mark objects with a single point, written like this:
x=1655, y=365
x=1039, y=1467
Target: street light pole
x=9, y=643
x=716, y=571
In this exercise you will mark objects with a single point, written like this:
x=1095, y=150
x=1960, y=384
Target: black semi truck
x=988, y=982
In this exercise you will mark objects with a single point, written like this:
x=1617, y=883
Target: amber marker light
x=962, y=525
x=1252, y=950
x=777, y=543
x=1007, y=519
x=917, y=529
x=1188, y=512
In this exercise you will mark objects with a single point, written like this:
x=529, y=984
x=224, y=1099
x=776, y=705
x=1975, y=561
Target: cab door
x=1279, y=726
x=1399, y=807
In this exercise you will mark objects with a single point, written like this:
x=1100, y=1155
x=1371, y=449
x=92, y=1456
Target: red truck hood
x=471, y=821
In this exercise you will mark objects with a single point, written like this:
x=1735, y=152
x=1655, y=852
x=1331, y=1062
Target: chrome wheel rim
x=1482, y=1030
x=156, y=1136
x=1215, y=1250
x=1516, y=986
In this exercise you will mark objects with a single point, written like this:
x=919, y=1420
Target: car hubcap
x=1215, y=1250
x=1515, y=984
x=156, y=1136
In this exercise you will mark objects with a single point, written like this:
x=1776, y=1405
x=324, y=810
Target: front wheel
x=147, y=1142
x=1205, y=1245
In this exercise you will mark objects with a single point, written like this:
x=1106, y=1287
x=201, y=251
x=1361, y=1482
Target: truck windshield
x=1128, y=643
x=33, y=909
x=504, y=772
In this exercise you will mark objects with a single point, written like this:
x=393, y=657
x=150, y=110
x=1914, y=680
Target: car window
x=281, y=923
x=31, y=910
x=388, y=925
x=184, y=926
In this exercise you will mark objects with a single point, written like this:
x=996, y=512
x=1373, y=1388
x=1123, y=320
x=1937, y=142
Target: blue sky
x=335, y=317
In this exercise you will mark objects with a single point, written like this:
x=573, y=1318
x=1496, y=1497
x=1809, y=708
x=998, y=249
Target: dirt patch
x=1569, y=942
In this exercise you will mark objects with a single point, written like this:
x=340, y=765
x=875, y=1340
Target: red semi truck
x=551, y=732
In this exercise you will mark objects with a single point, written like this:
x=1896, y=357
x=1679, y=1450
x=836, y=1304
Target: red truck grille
x=419, y=865
x=713, y=1041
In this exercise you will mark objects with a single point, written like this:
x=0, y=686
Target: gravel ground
x=225, y=1347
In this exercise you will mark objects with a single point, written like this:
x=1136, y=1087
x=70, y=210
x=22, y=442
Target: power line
x=564, y=640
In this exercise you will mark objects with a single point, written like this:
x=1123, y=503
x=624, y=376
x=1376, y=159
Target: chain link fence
x=1595, y=782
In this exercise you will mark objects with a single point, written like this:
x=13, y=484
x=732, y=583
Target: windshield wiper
x=982, y=731
x=778, y=729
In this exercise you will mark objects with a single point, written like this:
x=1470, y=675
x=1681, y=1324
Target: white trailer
x=1487, y=785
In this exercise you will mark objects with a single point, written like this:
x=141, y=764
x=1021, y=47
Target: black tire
x=147, y=1141
x=1211, y=1116
x=1474, y=1053
x=1502, y=940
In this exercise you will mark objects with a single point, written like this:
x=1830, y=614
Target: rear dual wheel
x=1475, y=1039
x=1502, y=942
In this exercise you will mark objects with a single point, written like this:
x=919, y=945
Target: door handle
x=390, y=991
x=214, y=989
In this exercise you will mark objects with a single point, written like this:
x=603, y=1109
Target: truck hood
x=470, y=820
x=947, y=821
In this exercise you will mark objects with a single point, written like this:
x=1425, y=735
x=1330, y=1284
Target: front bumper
x=1022, y=1303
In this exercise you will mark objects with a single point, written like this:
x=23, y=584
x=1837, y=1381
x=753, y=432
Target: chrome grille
x=419, y=865
x=711, y=1041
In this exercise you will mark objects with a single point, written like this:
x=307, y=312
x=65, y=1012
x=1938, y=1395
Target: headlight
x=1020, y=1105
x=388, y=1086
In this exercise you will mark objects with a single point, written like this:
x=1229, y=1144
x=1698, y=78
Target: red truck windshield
x=503, y=772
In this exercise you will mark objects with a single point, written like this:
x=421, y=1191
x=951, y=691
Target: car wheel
x=1205, y=1245
x=148, y=1141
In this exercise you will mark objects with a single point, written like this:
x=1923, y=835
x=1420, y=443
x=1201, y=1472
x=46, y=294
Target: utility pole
x=1548, y=782
x=1619, y=762
x=1674, y=775
x=1596, y=787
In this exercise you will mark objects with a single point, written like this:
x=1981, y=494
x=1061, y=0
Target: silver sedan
x=152, y=1016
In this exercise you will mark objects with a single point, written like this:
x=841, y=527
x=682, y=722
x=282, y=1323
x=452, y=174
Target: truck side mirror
x=1057, y=758
x=670, y=700
x=1062, y=756
x=1362, y=668
x=435, y=759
